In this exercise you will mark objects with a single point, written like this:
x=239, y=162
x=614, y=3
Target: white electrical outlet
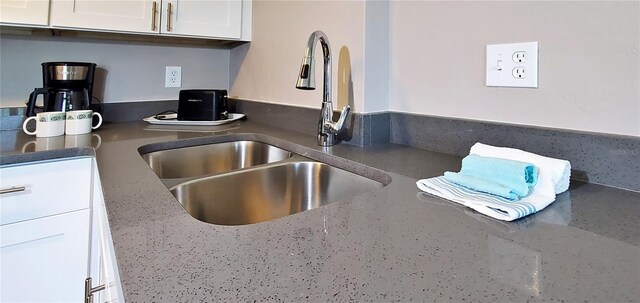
x=512, y=65
x=519, y=72
x=173, y=76
x=519, y=57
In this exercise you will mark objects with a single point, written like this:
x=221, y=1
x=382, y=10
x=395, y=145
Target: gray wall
x=435, y=59
x=589, y=63
x=589, y=73
x=128, y=71
x=267, y=69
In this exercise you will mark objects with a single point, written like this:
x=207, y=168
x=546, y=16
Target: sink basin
x=201, y=160
x=249, y=181
x=266, y=193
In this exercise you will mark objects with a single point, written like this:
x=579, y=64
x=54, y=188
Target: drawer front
x=49, y=188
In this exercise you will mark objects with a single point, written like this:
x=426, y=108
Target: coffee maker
x=67, y=86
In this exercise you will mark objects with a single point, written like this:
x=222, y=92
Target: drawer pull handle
x=88, y=290
x=169, y=16
x=13, y=189
x=154, y=11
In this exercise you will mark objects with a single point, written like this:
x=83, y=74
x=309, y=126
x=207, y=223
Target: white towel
x=553, y=177
x=553, y=170
x=490, y=205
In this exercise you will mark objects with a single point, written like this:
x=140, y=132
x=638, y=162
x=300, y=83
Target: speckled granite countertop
x=392, y=244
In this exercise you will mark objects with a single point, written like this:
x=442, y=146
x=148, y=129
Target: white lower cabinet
x=48, y=250
x=45, y=259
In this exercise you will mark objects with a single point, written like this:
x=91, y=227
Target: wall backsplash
x=127, y=71
x=597, y=158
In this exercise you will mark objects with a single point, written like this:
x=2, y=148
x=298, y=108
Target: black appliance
x=202, y=105
x=66, y=86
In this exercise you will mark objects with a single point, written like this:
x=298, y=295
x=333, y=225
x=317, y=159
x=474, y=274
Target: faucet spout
x=327, y=129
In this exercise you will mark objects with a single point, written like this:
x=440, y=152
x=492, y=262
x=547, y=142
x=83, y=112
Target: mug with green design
x=48, y=124
x=81, y=122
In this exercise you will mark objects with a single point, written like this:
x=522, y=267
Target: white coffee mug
x=84, y=140
x=80, y=122
x=48, y=124
x=40, y=144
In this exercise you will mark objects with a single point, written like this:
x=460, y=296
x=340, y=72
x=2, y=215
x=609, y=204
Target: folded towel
x=487, y=204
x=519, y=177
x=553, y=177
x=482, y=185
x=555, y=171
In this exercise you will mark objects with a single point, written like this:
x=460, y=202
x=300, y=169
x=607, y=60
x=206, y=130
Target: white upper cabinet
x=210, y=18
x=184, y=18
x=24, y=12
x=141, y=16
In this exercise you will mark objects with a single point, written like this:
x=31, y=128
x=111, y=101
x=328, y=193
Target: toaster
x=202, y=105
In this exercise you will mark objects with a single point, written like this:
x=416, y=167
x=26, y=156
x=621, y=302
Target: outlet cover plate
x=505, y=69
x=173, y=76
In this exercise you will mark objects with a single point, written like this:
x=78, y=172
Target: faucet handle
x=343, y=117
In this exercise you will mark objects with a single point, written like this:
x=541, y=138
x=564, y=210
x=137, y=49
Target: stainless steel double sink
x=245, y=182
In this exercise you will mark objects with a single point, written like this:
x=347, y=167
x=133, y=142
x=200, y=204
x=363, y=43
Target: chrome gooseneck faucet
x=327, y=129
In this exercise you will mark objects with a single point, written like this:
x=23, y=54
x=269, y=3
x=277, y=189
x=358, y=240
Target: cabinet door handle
x=169, y=16
x=154, y=11
x=88, y=290
x=13, y=189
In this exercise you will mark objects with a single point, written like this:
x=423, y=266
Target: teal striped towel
x=490, y=205
x=482, y=185
x=502, y=177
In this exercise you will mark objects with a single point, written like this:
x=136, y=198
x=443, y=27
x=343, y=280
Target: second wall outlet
x=173, y=76
x=512, y=65
x=519, y=72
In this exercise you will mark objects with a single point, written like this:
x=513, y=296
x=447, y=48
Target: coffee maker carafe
x=67, y=86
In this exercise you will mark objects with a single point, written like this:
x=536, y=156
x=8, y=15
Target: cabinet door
x=127, y=16
x=205, y=18
x=45, y=259
x=26, y=12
